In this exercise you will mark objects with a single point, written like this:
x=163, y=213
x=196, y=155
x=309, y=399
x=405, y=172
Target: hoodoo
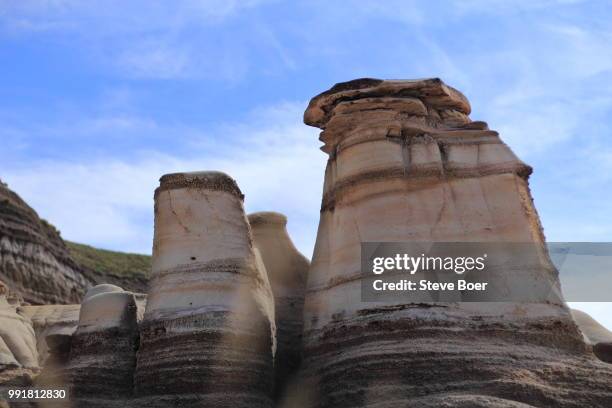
x=103, y=348
x=287, y=269
x=207, y=337
x=406, y=163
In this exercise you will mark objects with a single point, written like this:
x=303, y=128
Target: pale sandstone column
x=407, y=164
x=287, y=269
x=207, y=337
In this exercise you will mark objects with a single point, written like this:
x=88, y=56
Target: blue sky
x=100, y=98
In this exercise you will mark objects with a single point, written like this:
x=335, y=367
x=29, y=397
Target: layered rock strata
x=103, y=349
x=207, y=337
x=34, y=260
x=406, y=163
x=287, y=269
x=595, y=335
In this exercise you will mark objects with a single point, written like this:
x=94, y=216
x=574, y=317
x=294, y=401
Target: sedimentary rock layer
x=103, y=348
x=287, y=269
x=406, y=163
x=34, y=260
x=207, y=337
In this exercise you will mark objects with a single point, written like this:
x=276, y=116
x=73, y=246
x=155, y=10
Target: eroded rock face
x=287, y=269
x=406, y=163
x=207, y=337
x=595, y=335
x=18, y=355
x=56, y=321
x=17, y=338
x=34, y=260
x=103, y=348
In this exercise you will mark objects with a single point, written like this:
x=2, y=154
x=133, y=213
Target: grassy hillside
x=117, y=264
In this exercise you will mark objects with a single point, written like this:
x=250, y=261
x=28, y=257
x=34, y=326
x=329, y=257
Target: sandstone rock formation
x=58, y=322
x=229, y=297
x=287, y=270
x=207, y=337
x=18, y=355
x=17, y=338
x=103, y=349
x=34, y=260
x=407, y=164
x=595, y=335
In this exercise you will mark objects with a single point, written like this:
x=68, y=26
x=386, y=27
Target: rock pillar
x=287, y=269
x=207, y=337
x=406, y=163
x=103, y=349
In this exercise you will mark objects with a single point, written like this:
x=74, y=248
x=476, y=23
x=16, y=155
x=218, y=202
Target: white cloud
x=108, y=16
x=146, y=39
x=155, y=60
x=107, y=201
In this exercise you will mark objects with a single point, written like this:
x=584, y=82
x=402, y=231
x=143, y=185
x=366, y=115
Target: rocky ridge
x=39, y=267
x=34, y=261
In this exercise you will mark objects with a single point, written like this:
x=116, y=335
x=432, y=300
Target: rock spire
x=287, y=269
x=208, y=333
x=406, y=163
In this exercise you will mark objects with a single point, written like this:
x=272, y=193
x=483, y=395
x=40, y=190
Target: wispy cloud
x=139, y=39
x=108, y=201
x=109, y=15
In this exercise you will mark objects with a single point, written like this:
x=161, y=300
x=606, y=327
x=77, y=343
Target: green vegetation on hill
x=105, y=262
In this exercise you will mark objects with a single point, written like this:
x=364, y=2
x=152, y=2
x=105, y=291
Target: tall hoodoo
x=287, y=269
x=406, y=163
x=207, y=337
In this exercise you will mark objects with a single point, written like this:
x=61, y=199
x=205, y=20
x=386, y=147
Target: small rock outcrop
x=287, y=269
x=58, y=322
x=18, y=354
x=207, y=337
x=595, y=335
x=34, y=260
x=103, y=348
x=17, y=338
x=406, y=164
